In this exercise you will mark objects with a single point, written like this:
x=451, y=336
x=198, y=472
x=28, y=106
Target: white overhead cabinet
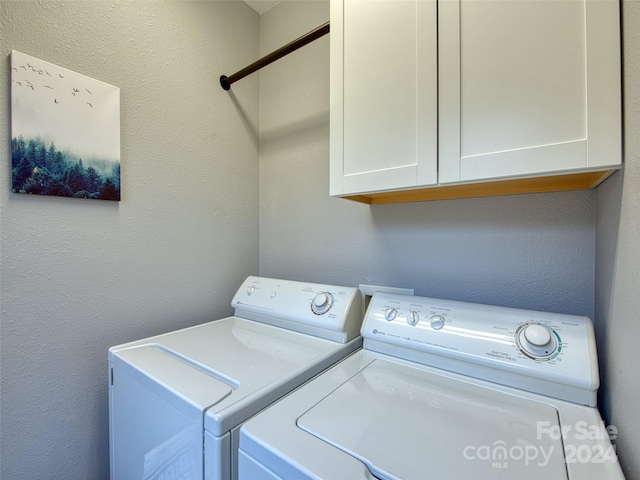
x=383, y=95
x=465, y=98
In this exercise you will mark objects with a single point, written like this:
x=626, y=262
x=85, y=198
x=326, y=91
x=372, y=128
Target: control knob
x=390, y=314
x=413, y=318
x=537, y=340
x=322, y=303
x=436, y=322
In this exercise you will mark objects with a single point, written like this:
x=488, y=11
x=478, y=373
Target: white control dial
x=390, y=314
x=250, y=289
x=537, y=335
x=537, y=340
x=436, y=321
x=413, y=318
x=322, y=303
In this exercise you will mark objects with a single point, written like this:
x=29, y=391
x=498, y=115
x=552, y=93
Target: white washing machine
x=176, y=401
x=444, y=390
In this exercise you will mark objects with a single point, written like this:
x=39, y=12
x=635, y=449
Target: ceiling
x=261, y=6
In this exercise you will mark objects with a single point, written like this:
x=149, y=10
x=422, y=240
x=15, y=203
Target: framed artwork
x=65, y=132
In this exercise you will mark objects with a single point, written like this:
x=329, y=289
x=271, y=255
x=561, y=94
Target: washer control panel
x=485, y=340
x=328, y=311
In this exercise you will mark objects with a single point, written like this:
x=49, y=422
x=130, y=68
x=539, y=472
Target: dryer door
x=404, y=422
x=156, y=408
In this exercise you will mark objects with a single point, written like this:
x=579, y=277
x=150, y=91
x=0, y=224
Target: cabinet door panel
x=525, y=161
x=383, y=89
x=517, y=98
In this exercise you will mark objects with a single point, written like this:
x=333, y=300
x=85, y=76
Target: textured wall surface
x=79, y=276
x=618, y=264
x=528, y=251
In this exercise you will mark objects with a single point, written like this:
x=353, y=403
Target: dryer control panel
x=547, y=353
x=326, y=311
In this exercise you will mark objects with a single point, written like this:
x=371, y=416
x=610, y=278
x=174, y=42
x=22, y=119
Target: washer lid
x=228, y=369
x=404, y=422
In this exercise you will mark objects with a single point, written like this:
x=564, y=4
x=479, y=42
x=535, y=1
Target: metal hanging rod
x=276, y=55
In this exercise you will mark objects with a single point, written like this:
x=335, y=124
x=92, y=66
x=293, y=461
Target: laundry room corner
x=227, y=191
x=563, y=252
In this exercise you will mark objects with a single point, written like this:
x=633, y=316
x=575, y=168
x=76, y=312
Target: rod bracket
x=225, y=84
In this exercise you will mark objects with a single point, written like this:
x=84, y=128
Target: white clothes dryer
x=443, y=390
x=176, y=401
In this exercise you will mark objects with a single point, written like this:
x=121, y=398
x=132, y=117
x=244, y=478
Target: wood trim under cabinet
x=555, y=183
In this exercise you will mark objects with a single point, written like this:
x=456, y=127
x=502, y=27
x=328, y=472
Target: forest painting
x=65, y=132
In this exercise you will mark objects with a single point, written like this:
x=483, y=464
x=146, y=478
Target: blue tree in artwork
x=43, y=170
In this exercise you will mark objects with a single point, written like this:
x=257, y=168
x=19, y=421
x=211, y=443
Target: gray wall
x=618, y=264
x=79, y=276
x=529, y=251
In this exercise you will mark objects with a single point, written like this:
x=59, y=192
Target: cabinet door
x=528, y=87
x=383, y=95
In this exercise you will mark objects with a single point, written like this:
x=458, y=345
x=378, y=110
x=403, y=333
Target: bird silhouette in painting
x=89, y=92
x=14, y=68
x=47, y=86
x=47, y=73
x=60, y=76
x=76, y=90
x=22, y=66
x=31, y=87
x=89, y=104
x=19, y=83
